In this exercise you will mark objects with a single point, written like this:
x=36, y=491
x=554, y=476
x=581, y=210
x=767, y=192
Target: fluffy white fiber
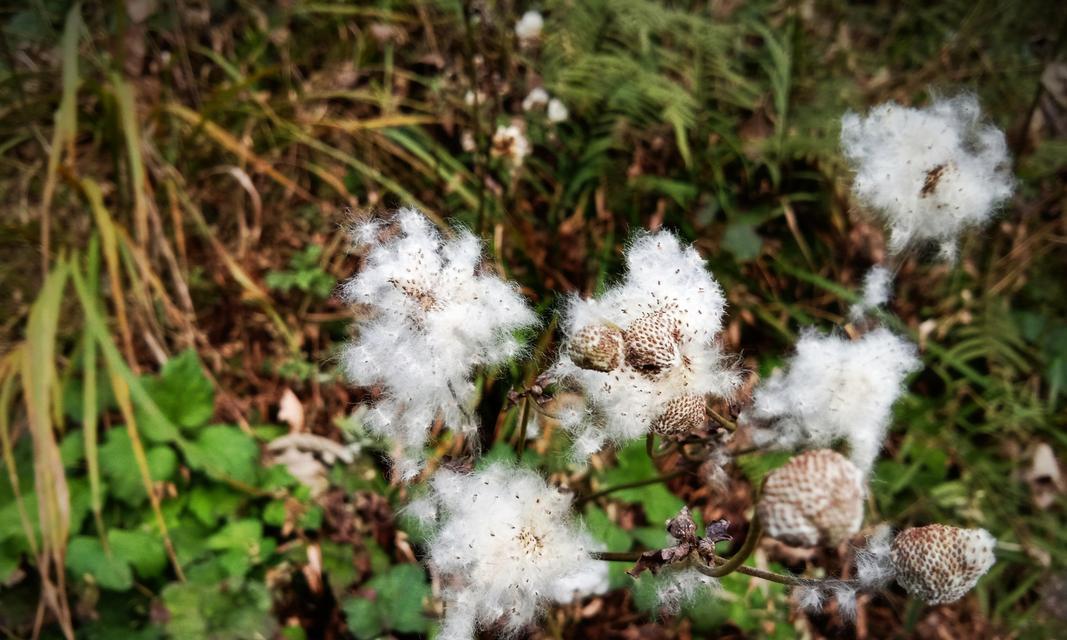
x=679, y=585
x=536, y=99
x=505, y=545
x=663, y=276
x=435, y=317
x=874, y=565
x=529, y=27
x=877, y=287
x=929, y=173
x=834, y=389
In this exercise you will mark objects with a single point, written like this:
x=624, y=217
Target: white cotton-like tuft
x=435, y=316
x=536, y=99
x=928, y=173
x=528, y=28
x=845, y=596
x=679, y=585
x=669, y=310
x=809, y=599
x=511, y=144
x=557, y=111
x=506, y=545
x=834, y=389
x=874, y=566
x=877, y=287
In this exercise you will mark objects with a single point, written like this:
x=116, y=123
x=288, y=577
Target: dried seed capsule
x=939, y=564
x=597, y=347
x=815, y=498
x=652, y=342
x=681, y=415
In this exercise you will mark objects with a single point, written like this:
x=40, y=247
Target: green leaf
x=182, y=392
x=224, y=450
x=742, y=240
x=243, y=535
x=400, y=595
x=362, y=617
x=85, y=556
x=633, y=464
x=141, y=550
x=119, y=466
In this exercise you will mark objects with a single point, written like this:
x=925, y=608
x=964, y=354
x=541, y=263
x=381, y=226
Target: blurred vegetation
x=176, y=178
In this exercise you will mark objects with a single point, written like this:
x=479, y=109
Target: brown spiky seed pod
x=939, y=564
x=652, y=342
x=815, y=498
x=681, y=415
x=597, y=347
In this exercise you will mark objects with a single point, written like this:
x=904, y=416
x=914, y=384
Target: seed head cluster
x=644, y=353
x=435, y=316
x=505, y=544
x=928, y=173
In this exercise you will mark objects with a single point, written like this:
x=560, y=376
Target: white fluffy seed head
x=511, y=144
x=939, y=564
x=505, y=545
x=528, y=28
x=834, y=389
x=670, y=310
x=928, y=173
x=557, y=111
x=435, y=316
x=815, y=498
x=536, y=99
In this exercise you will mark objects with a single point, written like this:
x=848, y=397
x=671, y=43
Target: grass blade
x=53, y=498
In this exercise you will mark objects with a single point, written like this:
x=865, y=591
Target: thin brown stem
x=755, y=532
x=524, y=415
x=629, y=485
x=728, y=424
x=616, y=556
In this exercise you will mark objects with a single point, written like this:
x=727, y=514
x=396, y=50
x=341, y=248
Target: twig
x=629, y=485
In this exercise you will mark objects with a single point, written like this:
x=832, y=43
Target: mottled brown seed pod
x=681, y=415
x=652, y=342
x=939, y=564
x=815, y=498
x=597, y=347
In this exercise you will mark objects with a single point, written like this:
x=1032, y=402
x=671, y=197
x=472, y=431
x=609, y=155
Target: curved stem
x=629, y=485
x=734, y=563
x=728, y=424
x=650, y=445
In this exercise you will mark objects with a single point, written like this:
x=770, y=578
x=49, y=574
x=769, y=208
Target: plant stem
x=629, y=485
x=755, y=532
x=650, y=445
x=520, y=446
x=728, y=424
